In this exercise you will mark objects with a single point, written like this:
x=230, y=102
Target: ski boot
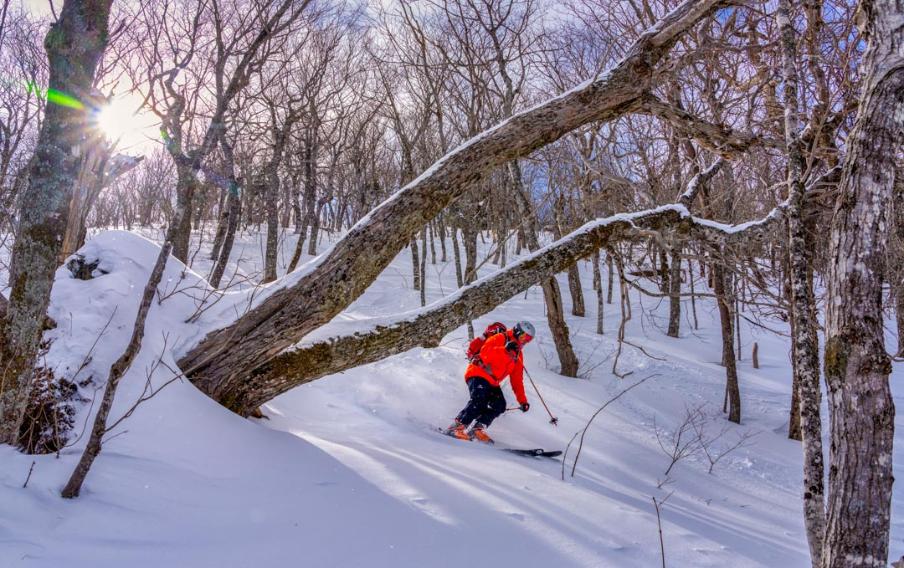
x=479, y=433
x=458, y=430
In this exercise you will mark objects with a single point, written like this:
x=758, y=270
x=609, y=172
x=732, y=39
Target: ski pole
x=552, y=419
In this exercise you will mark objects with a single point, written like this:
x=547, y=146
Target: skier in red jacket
x=499, y=357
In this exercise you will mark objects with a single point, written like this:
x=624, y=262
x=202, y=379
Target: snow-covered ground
x=348, y=470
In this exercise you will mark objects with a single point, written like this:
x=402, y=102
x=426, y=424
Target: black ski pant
x=486, y=404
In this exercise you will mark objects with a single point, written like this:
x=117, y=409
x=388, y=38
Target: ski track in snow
x=349, y=470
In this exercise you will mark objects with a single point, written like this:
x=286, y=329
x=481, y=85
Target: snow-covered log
x=373, y=340
x=219, y=367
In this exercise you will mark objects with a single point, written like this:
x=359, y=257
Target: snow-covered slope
x=348, y=470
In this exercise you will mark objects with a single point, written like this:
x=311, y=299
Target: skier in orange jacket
x=499, y=357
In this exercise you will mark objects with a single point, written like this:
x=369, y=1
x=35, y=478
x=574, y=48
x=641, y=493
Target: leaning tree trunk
x=857, y=367
x=805, y=342
x=74, y=45
x=377, y=339
x=218, y=368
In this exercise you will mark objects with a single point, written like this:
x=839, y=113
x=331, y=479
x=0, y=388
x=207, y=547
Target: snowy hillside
x=348, y=471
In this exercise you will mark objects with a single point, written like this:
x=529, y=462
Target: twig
x=595, y=414
x=658, y=505
x=24, y=485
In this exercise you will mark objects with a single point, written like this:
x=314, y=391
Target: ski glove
x=512, y=346
x=525, y=406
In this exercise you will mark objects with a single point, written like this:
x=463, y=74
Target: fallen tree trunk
x=426, y=327
x=217, y=366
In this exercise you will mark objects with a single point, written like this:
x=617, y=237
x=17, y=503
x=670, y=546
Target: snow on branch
x=345, y=345
x=693, y=187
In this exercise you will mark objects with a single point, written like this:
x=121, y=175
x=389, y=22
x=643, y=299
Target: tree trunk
x=899, y=318
x=74, y=45
x=675, y=294
x=234, y=206
x=732, y=388
x=423, y=269
x=222, y=222
x=379, y=339
x=442, y=240
x=456, y=258
x=856, y=364
x=315, y=231
x=469, y=236
x=609, y=277
x=415, y=264
x=272, y=247
x=180, y=231
x=552, y=295
x=804, y=339
x=598, y=286
x=432, y=227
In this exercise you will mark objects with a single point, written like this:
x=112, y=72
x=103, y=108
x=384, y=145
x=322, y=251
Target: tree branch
x=717, y=138
x=427, y=326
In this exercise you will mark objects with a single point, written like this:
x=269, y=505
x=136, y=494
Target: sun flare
x=123, y=121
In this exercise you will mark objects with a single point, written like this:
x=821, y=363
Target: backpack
x=477, y=343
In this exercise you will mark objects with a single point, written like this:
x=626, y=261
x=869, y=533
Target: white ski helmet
x=522, y=328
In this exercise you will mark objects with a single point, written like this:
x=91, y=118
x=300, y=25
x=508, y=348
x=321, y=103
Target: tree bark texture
x=856, y=365
x=804, y=339
x=74, y=45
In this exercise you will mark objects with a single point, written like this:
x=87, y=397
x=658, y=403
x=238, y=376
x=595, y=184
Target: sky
x=41, y=6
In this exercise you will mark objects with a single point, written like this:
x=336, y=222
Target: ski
x=533, y=452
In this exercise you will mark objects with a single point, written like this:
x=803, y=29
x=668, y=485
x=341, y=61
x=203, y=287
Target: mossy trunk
x=74, y=45
x=857, y=366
